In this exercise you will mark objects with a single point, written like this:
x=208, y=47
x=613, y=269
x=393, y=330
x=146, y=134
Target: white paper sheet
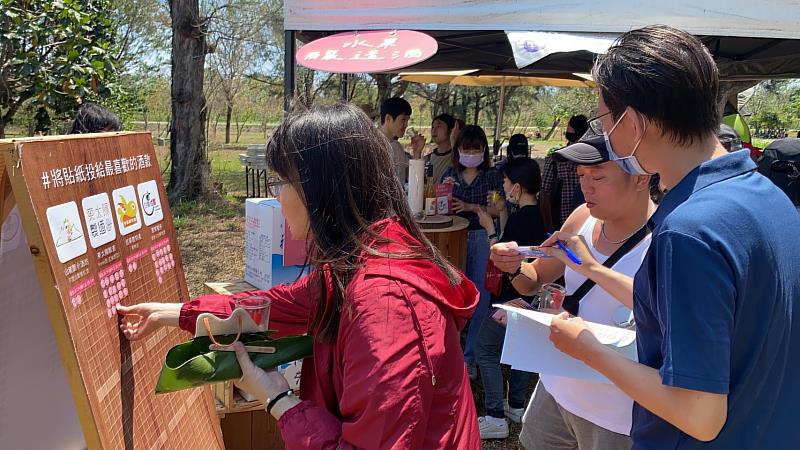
x=527, y=345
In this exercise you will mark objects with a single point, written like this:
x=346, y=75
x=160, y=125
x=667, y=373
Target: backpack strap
x=572, y=302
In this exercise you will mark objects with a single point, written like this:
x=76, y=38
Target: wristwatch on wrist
x=493, y=236
x=516, y=273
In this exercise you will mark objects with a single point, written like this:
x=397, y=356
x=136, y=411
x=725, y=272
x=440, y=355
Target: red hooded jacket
x=395, y=376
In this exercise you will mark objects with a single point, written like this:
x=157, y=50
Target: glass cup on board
x=549, y=298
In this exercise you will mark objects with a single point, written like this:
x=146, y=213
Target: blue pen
x=569, y=253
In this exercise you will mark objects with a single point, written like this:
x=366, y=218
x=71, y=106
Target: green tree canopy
x=54, y=54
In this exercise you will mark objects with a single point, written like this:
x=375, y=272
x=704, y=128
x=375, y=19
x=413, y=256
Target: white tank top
x=602, y=404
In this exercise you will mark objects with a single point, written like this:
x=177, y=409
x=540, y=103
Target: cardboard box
x=264, y=246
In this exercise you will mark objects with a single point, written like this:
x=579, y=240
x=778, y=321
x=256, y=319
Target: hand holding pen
x=574, y=258
x=570, y=249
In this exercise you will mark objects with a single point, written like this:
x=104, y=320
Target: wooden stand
x=451, y=241
x=245, y=425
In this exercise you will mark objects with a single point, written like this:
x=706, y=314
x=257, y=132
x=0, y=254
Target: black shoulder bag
x=572, y=302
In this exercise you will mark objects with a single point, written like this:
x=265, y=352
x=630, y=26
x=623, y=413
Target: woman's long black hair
x=340, y=164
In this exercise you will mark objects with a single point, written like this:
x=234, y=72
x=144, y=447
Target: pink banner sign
x=367, y=51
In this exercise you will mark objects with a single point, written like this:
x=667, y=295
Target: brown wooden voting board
x=101, y=234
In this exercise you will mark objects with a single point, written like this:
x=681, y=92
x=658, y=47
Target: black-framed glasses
x=596, y=125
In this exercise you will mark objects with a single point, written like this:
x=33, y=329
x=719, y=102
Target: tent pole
x=288, y=69
x=345, y=78
x=499, y=123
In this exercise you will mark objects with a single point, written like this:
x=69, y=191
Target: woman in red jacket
x=384, y=306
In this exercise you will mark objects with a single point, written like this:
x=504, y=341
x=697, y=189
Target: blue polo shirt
x=716, y=302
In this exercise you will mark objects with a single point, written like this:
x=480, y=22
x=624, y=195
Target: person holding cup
x=521, y=183
x=384, y=306
x=473, y=177
x=567, y=412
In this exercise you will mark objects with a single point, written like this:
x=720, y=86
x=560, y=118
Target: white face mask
x=627, y=163
x=511, y=197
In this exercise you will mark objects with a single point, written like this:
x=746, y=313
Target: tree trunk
x=442, y=102
x=190, y=174
x=552, y=129
x=477, y=108
x=387, y=89
x=228, y=112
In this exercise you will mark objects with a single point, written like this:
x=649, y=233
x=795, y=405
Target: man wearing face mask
x=717, y=296
x=560, y=181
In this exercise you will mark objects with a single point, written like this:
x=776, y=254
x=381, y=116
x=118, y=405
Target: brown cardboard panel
x=101, y=233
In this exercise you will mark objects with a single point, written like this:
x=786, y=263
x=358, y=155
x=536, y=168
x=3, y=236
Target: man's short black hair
x=394, y=107
x=580, y=124
x=93, y=118
x=448, y=120
x=665, y=74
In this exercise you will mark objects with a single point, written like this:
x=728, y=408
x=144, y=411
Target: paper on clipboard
x=527, y=345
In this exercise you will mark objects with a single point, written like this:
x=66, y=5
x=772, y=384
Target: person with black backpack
x=570, y=413
x=780, y=162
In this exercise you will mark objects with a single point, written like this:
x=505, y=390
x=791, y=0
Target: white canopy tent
x=750, y=40
x=767, y=19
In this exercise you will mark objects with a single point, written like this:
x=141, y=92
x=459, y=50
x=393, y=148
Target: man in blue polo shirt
x=717, y=297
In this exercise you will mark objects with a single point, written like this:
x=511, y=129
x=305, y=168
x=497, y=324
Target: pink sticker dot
x=113, y=309
x=108, y=303
x=168, y=247
x=123, y=282
x=118, y=285
x=110, y=313
x=135, y=265
x=130, y=267
x=153, y=256
x=105, y=293
x=160, y=280
x=102, y=282
x=124, y=292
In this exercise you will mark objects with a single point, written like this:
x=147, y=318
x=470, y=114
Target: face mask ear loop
x=619, y=121
x=635, y=147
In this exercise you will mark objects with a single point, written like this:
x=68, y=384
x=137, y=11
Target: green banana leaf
x=192, y=364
